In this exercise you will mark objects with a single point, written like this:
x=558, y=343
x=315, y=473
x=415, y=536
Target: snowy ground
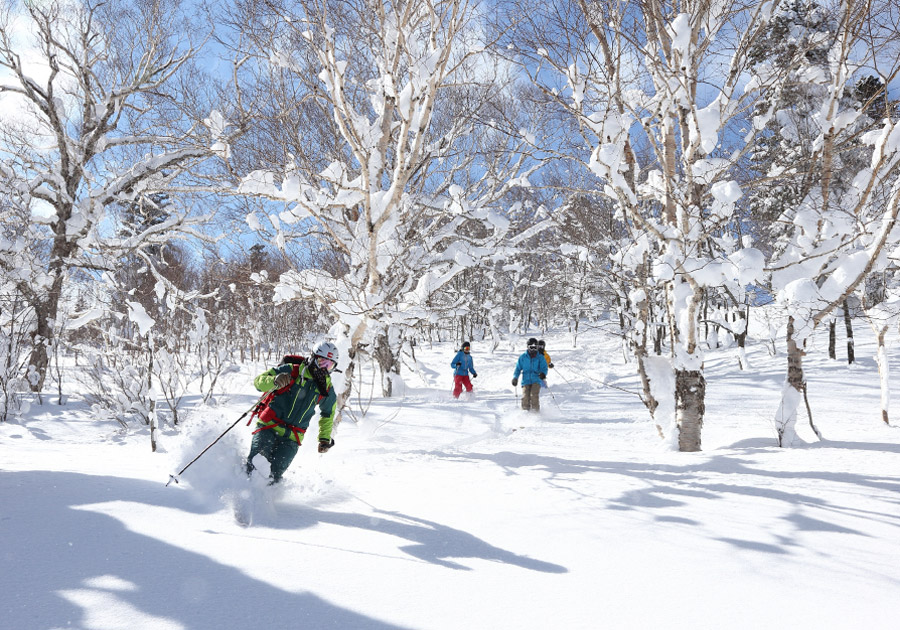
x=432, y=513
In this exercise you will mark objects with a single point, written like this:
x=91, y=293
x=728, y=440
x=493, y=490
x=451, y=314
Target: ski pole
x=607, y=385
x=554, y=398
x=243, y=415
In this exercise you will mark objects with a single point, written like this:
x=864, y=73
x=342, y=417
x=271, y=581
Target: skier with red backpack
x=296, y=388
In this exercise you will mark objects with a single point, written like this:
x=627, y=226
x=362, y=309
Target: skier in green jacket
x=296, y=387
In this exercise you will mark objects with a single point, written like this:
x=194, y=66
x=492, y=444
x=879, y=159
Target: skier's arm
x=265, y=381
x=327, y=408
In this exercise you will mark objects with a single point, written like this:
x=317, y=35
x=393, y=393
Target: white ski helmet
x=327, y=350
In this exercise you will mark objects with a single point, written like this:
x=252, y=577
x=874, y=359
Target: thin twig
x=809, y=413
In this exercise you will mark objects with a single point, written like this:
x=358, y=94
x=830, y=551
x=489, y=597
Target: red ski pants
x=459, y=382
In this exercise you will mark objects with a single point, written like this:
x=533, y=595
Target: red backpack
x=296, y=362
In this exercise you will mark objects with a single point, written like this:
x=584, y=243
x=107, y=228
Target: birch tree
x=882, y=311
x=94, y=115
x=411, y=192
x=632, y=74
x=845, y=227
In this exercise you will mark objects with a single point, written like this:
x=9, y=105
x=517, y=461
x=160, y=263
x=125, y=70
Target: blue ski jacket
x=530, y=368
x=462, y=364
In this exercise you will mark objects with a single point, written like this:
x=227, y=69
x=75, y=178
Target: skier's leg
x=282, y=455
x=526, y=397
x=457, y=385
x=262, y=444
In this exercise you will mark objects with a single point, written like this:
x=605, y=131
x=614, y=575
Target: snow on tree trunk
x=660, y=381
x=792, y=392
x=740, y=329
x=637, y=340
x=883, y=316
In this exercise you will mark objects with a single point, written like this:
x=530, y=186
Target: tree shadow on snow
x=770, y=444
x=70, y=567
x=432, y=542
x=670, y=486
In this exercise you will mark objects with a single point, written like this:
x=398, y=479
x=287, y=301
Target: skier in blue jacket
x=462, y=365
x=533, y=367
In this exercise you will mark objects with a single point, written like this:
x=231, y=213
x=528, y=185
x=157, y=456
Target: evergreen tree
x=795, y=44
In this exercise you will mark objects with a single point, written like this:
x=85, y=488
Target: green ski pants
x=280, y=452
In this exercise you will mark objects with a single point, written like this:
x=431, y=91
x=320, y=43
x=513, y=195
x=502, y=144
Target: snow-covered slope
x=432, y=513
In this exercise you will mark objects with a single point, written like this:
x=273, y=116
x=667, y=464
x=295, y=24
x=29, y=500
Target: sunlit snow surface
x=433, y=513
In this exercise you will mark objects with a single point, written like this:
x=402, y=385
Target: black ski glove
x=282, y=379
x=319, y=376
x=515, y=382
x=542, y=376
x=550, y=365
x=324, y=445
x=474, y=374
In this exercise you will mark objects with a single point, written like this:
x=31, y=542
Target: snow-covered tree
x=881, y=307
x=93, y=116
x=844, y=229
x=657, y=89
x=20, y=275
x=410, y=193
x=794, y=44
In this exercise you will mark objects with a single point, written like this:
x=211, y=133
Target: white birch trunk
x=786, y=416
x=883, y=371
x=792, y=392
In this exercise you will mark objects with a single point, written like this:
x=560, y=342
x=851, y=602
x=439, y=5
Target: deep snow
x=432, y=513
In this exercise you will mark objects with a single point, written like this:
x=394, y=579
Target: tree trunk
x=389, y=362
x=344, y=396
x=639, y=350
x=45, y=312
x=792, y=392
x=832, y=340
x=621, y=314
x=356, y=335
x=690, y=395
x=740, y=334
x=883, y=372
x=848, y=325
x=152, y=418
x=705, y=309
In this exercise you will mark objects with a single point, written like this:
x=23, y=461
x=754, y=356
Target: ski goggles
x=325, y=363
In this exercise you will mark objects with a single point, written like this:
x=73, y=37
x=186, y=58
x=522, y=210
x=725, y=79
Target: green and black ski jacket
x=290, y=408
